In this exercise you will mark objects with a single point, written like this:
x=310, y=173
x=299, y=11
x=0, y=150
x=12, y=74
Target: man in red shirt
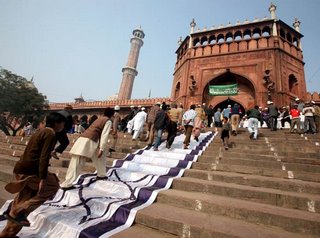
x=295, y=114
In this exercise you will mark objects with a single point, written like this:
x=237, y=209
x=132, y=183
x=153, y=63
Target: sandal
x=20, y=220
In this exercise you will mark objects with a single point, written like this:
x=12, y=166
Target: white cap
x=269, y=102
x=139, y=106
x=229, y=105
x=132, y=106
x=158, y=103
x=117, y=108
x=142, y=108
x=297, y=99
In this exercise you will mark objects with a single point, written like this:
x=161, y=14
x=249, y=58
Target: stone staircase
x=264, y=188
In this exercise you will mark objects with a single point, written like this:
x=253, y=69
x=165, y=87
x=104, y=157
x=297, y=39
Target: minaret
x=272, y=10
x=192, y=25
x=130, y=71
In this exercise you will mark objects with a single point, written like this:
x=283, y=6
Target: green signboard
x=223, y=90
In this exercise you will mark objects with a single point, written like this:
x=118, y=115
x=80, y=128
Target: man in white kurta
x=91, y=144
x=138, y=123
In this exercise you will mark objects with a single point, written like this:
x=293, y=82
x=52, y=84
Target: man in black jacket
x=254, y=116
x=273, y=113
x=62, y=137
x=160, y=124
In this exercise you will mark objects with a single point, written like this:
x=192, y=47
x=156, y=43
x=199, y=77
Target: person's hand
x=54, y=155
x=99, y=153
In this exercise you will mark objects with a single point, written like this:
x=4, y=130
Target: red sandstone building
x=261, y=59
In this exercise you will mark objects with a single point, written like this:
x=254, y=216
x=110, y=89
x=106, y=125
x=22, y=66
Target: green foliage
x=20, y=101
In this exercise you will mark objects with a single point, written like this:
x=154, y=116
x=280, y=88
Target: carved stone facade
x=263, y=57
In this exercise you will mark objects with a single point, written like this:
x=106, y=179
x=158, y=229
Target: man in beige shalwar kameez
x=91, y=144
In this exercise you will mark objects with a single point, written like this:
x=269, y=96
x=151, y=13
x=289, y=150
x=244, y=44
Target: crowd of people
x=35, y=184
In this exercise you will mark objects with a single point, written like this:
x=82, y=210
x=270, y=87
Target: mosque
x=248, y=63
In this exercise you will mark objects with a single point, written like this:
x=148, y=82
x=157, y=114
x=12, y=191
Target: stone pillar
x=130, y=71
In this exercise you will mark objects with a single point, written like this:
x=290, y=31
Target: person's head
x=256, y=107
x=55, y=121
x=84, y=118
x=92, y=119
x=313, y=103
x=295, y=106
x=229, y=106
x=219, y=109
x=117, y=108
x=193, y=106
x=164, y=107
x=297, y=100
x=225, y=119
x=108, y=112
x=174, y=105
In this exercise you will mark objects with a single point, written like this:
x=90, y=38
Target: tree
x=20, y=102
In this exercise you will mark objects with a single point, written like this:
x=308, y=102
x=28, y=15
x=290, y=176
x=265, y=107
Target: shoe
x=111, y=150
x=226, y=148
x=155, y=149
x=102, y=178
x=251, y=135
x=185, y=147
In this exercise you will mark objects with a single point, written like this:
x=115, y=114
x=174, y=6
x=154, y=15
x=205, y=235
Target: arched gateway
x=247, y=54
x=242, y=91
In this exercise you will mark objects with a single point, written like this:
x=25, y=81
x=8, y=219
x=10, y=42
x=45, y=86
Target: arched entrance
x=224, y=104
x=246, y=97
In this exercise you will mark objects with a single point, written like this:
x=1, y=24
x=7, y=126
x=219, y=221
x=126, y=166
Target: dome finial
x=272, y=10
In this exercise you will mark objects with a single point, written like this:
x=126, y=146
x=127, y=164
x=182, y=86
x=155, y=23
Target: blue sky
x=80, y=46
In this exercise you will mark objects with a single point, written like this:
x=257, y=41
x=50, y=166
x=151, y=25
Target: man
x=188, y=122
x=217, y=118
x=295, y=121
x=34, y=184
x=175, y=117
x=309, y=125
x=273, y=114
x=316, y=116
x=138, y=123
x=160, y=124
x=226, y=112
x=62, y=135
x=91, y=144
x=210, y=114
x=235, y=118
x=254, y=117
x=300, y=104
x=115, y=124
x=150, y=122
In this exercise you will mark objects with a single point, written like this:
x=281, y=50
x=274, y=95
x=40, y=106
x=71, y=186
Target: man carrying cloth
x=34, y=184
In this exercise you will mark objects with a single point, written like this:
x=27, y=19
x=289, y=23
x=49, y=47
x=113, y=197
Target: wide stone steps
x=255, y=181
x=247, y=191
x=143, y=232
x=189, y=223
x=263, y=195
x=287, y=219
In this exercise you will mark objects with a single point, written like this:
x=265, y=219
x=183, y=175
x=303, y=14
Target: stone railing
x=313, y=97
x=144, y=102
